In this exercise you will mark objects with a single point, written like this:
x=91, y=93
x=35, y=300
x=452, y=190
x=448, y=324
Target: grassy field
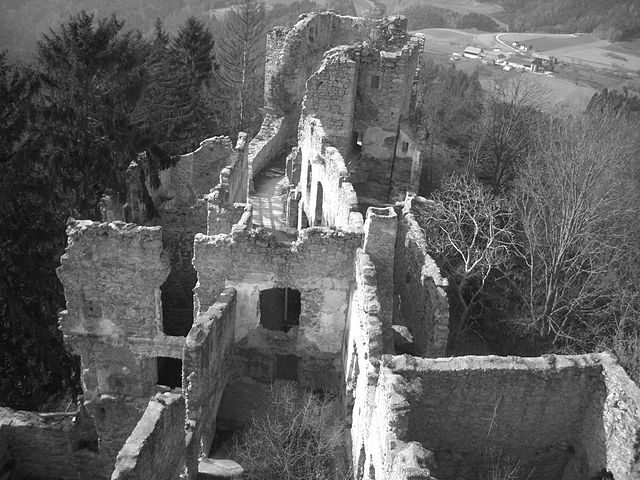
x=543, y=43
x=583, y=50
x=629, y=48
x=459, y=6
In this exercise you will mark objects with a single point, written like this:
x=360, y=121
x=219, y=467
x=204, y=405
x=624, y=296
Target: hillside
x=611, y=19
x=23, y=23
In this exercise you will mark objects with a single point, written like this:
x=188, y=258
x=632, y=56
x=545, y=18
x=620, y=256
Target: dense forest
x=614, y=20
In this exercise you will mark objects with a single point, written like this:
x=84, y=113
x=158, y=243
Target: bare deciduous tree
x=504, y=138
x=575, y=200
x=470, y=231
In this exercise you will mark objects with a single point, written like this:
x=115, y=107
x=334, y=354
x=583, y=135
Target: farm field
x=582, y=49
x=447, y=40
x=459, y=6
x=558, y=92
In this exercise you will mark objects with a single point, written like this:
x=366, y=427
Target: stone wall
x=362, y=351
x=294, y=54
x=380, y=230
x=421, y=302
x=207, y=366
x=318, y=266
x=472, y=411
x=194, y=174
x=388, y=455
x=330, y=97
x=50, y=447
x=374, y=408
x=270, y=141
x=182, y=212
x=156, y=447
x=234, y=180
x=327, y=197
x=611, y=430
x=111, y=274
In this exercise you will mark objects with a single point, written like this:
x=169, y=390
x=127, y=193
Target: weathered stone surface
x=156, y=447
x=39, y=447
x=421, y=302
x=207, y=366
x=218, y=469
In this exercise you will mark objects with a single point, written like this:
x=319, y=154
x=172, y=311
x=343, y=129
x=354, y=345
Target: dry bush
x=297, y=438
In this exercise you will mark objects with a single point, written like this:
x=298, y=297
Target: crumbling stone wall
x=407, y=166
x=179, y=201
x=318, y=265
x=50, y=447
x=327, y=198
x=156, y=447
x=330, y=98
x=385, y=171
x=111, y=274
x=380, y=230
x=207, y=366
x=294, y=54
x=270, y=141
x=387, y=452
x=364, y=346
x=610, y=435
x=421, y=302
x=470, y=411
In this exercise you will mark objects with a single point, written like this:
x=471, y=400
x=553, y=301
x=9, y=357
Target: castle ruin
x=184, y=304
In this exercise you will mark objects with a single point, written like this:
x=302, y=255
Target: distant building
x=500, y=59
x=521, y=62
x=473, y=52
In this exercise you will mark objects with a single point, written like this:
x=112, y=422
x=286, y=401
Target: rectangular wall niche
x=169, y=372
x=279, y=308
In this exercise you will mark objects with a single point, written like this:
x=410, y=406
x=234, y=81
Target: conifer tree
x=241, y=52
x=92, y=82
x=193, y=47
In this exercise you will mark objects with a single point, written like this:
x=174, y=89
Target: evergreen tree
x=193, y=48
x=92, y=82
x=242, y=56
x=35, y=367
x=176, y=111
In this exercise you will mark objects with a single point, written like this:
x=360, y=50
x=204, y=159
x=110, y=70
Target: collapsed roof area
x=185, y=305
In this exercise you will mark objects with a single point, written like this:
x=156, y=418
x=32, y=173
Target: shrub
x=297, y=438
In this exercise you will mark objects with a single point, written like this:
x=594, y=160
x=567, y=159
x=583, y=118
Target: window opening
x=169, y=372
x=319, y=199
x=279, y=308
x=405, y=146
x=176, y=295
x=375, y=81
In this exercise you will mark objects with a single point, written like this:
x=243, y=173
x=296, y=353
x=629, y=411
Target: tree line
x=615, y=21
x=71, y=123
x=532, y=217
